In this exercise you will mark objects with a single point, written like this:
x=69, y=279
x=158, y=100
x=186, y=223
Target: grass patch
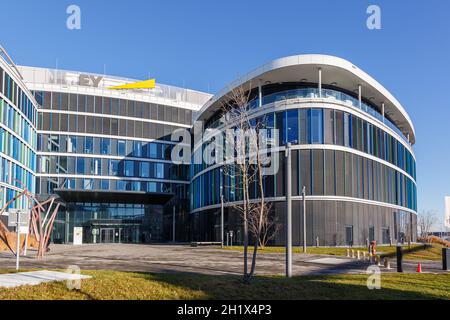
x=417, y=251
x=130, y=285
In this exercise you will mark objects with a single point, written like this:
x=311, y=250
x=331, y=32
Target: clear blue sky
x=205, y=44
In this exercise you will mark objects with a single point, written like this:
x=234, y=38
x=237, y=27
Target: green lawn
x=417, y=252
x=128, y=285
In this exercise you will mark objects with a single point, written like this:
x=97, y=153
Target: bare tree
x=408, y=233
x=269, y=226
x=425, y=221
x=244, y=163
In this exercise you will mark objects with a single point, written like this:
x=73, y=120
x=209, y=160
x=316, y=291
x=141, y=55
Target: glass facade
x=324, y=173
x=97, y=143
x=328, y=126
x=110, y=223
x=107, y=156
x=108, y=116
x=288, y=91
x=337, y=154
x=18, y=139
x=334, y=223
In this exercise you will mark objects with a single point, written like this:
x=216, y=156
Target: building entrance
x=111, y=231
x=110, y=235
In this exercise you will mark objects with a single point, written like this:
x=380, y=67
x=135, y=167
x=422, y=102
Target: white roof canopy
x=335, y=71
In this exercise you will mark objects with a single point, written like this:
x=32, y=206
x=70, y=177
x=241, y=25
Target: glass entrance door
x=110, y=235
x=107, y=235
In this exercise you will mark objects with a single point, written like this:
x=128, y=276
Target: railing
x=314, y=94
x=71, y=78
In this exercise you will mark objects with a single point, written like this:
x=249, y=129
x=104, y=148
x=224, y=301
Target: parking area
x=181, y=258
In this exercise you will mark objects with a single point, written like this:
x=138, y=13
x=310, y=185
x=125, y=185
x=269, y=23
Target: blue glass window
x=151, y=187
x=70, y=183
x=121, y=185
x=137, y=149
x=89, y=145
x=96, y=166
x=105, y=146
x=121, y=148
x=153, y=150
x=145, y=169
x=104, y=184
x=135, y=185
x=88, y=184
x=159, y=170
x=129, y=168
x=316, y=127
x=347, y=130
x=71, y=144
x=80, y=165
x=292, y=126
x=113, y=167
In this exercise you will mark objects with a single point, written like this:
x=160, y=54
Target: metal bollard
x=446, y=259
x=378, y=261
x=399, y=259
x=358, y=255
x=387, y=263
x=364, y=255
x=348, y=253
x=353, y=253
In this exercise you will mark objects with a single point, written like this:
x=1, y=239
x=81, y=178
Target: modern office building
x=106, y=154
x=18, y=137
x=351, y=150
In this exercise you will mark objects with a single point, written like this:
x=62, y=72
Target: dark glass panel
x=329, y=126
x=329, y=186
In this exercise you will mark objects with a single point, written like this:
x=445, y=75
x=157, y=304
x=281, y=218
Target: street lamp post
x=173, y=224
x=18, y=240
x=221, y=220
x=288, y=212
x=304, y=218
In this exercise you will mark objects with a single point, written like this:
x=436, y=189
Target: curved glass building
x=18, y=138
x=107, y=155
x=351, y=150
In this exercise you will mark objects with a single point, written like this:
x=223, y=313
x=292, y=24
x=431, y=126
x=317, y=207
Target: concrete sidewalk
x=10, y=280
x=183, y=258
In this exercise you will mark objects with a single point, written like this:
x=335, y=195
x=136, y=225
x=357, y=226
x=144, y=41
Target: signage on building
x=88, y=80
x=147, y=84
x=78, y=79
x=77, y=236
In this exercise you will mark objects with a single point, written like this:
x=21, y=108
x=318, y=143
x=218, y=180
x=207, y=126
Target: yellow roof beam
x=147, y=84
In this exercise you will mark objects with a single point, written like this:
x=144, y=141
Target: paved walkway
x=183, y=258
x=33, y=278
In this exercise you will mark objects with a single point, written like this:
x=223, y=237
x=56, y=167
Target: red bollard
x=419, y=268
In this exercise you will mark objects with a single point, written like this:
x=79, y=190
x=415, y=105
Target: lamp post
x=173, y=224
x=288, y=212
x=221, y=221
x=18, y=240
x=304, y=218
